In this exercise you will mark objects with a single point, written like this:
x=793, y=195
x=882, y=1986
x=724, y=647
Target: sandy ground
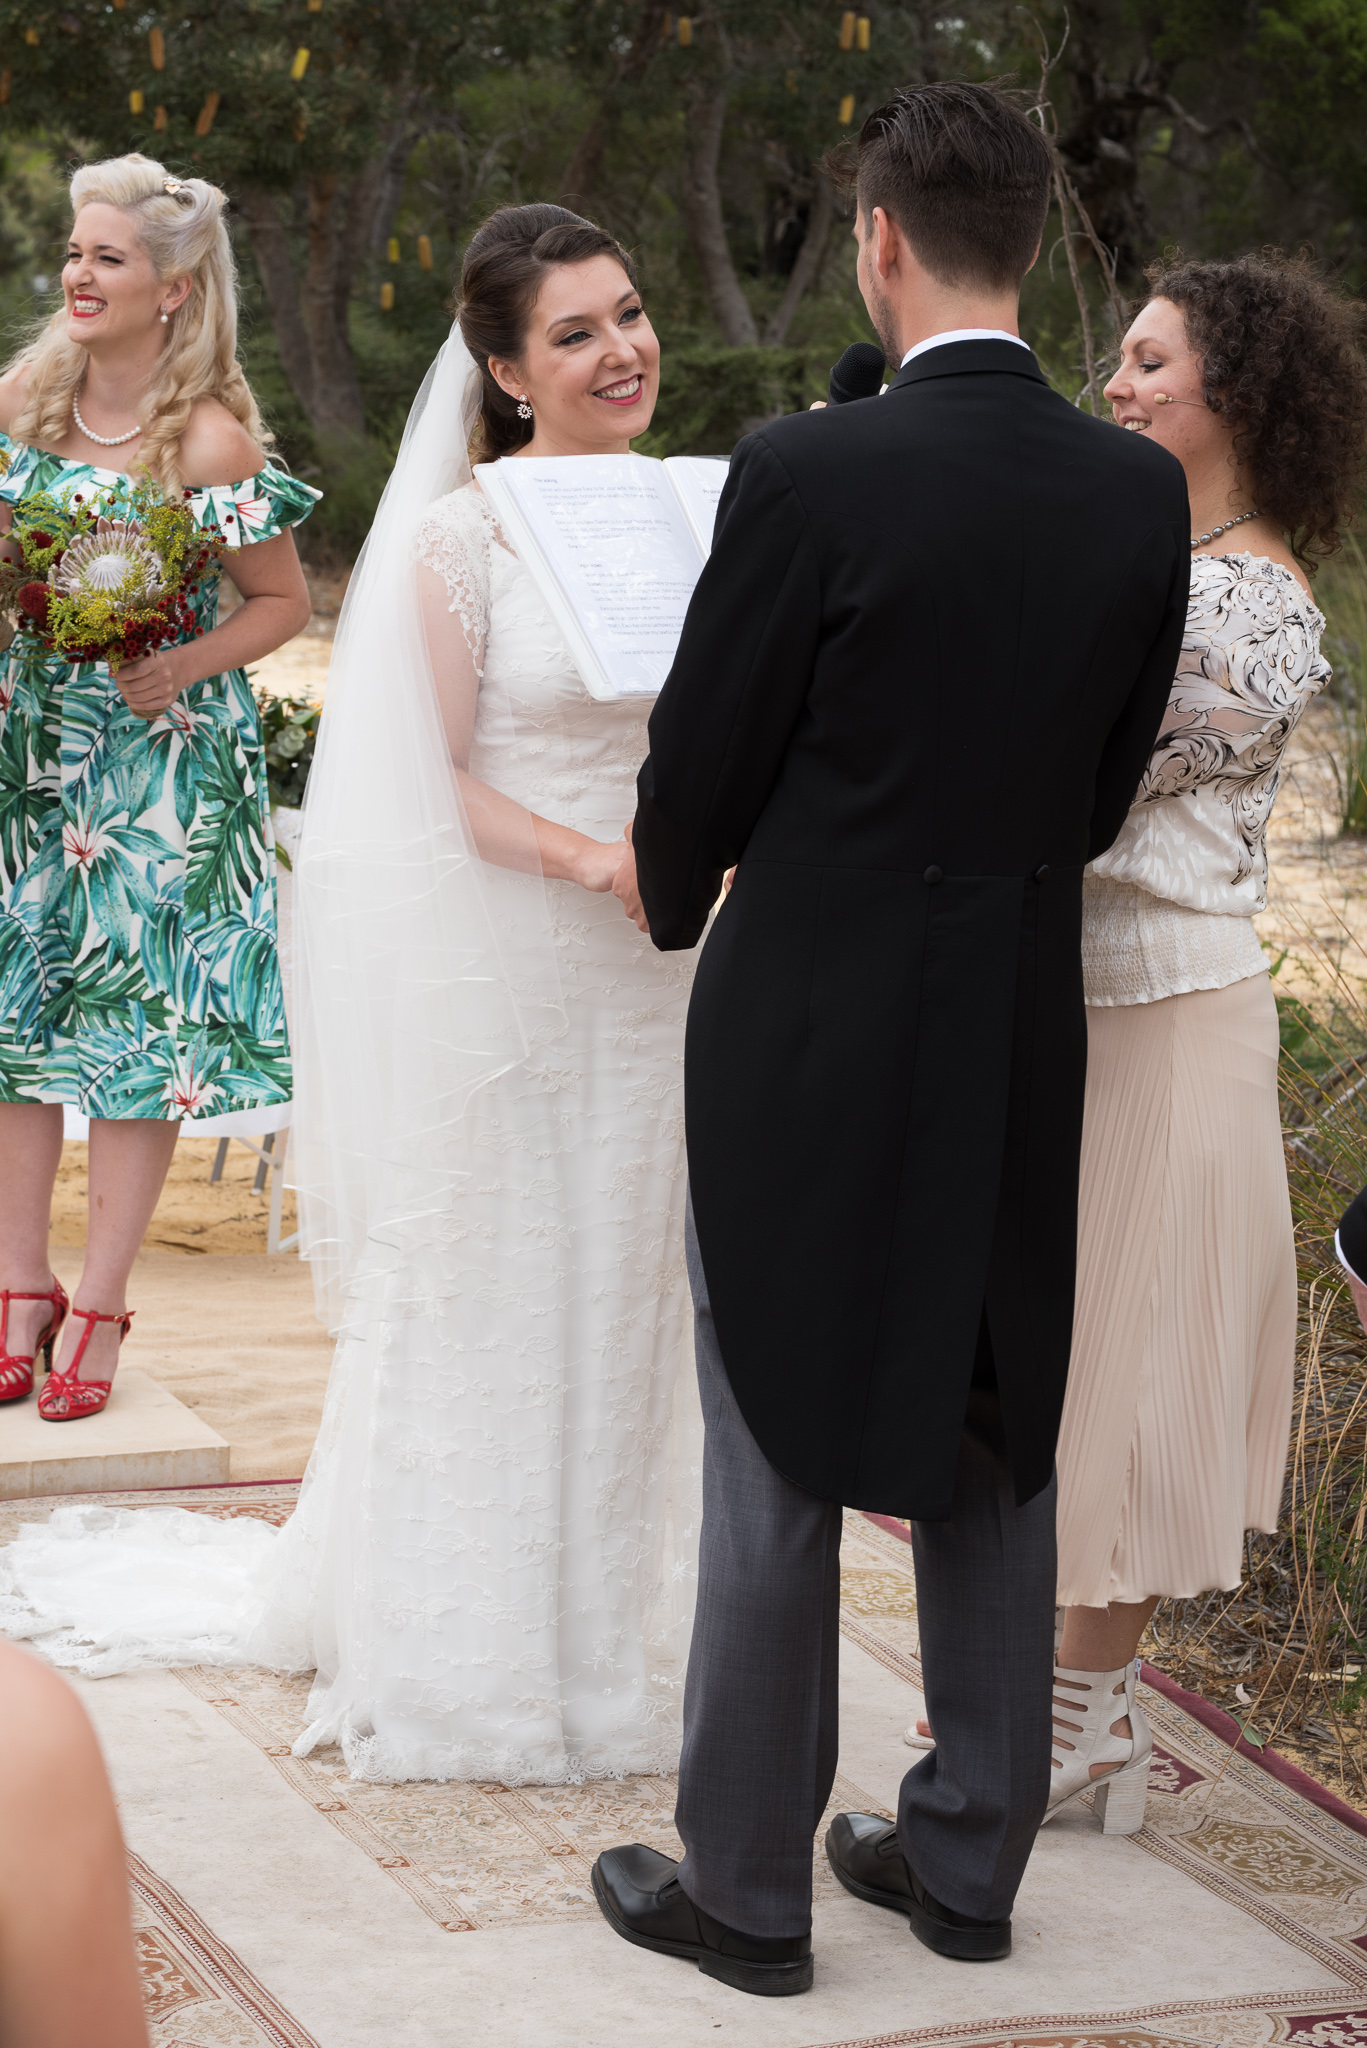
x=300, y=667
x=193, y=1216
x=1317, y=885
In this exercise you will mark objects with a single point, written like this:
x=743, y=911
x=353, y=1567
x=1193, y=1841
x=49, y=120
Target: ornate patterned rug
x=197, y=1992
x=1282, y=1865
x=1269, y=1840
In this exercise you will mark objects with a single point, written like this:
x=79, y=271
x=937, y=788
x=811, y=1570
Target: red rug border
x=206, y=1486
x=20, y=1500
x=1218, y=1722
x=1277, y=1766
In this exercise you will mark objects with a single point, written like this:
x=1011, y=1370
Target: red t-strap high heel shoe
x=16, y=1372
x=66, y=1396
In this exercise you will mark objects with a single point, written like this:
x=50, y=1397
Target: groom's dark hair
x=965, y=174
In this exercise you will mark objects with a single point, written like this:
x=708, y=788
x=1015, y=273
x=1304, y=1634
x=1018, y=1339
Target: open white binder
x=616, y=544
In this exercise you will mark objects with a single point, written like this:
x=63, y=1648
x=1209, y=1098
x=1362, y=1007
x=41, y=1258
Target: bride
x=491, y=1562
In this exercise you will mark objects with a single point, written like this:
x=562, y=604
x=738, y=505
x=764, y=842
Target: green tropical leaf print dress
x=138, y=968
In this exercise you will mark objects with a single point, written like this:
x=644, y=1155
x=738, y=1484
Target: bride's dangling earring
x=165, y=316
x=524, y=410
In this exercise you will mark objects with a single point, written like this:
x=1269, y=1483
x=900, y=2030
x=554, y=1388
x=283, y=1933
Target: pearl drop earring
x=524, y=411
x=165, y=316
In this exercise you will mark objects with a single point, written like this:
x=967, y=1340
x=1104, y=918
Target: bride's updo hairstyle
x=1280, y=360
x=180, y=225
x=504, y=269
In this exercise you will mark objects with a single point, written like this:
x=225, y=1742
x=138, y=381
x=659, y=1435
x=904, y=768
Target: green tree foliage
x=1311, y=58
x=306, y=114
x=751, y=95
x=697, y=138
x=1217, y=125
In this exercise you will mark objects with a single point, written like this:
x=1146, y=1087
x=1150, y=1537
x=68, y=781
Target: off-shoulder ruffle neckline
x=122, y=476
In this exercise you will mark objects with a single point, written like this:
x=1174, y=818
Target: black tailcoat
x=917, y=685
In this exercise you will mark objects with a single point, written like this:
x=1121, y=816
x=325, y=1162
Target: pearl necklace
x=101, y=440
x=1199, y=541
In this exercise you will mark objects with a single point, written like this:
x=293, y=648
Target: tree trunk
x=388, y=195
x=270, y=246
x=1101, y=145
x=803, y=273
x=581, y=175
x=582, y=172
x=338, y=412
x=704, y=220
x=311, y=319
x=311, y=323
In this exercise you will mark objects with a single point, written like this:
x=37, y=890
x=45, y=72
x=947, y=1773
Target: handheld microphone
x=858, y=374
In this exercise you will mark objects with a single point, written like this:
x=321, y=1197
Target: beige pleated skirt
x=1178, y=1411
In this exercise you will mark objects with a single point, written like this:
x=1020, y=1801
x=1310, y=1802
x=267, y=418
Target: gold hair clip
x=172, y=185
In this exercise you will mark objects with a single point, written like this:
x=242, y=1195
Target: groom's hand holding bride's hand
x=599, y=865
x=624, y=887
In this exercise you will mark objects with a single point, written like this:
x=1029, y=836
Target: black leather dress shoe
x=641, y=1898
x=864, y=1853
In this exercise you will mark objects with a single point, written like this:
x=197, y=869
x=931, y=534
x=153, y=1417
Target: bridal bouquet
x=97, y=589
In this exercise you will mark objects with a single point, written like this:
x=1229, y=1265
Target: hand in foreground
x=625, y=889
x=151, y=685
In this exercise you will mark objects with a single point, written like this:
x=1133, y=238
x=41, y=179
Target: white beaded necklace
x=101, y=440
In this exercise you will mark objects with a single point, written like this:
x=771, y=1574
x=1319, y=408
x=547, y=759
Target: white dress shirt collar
x=962, y=334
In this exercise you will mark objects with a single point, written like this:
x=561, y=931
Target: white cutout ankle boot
x=1090, y=1716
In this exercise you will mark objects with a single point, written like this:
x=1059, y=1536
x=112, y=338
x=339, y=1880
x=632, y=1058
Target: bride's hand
x=596, y=864
x=625, y=887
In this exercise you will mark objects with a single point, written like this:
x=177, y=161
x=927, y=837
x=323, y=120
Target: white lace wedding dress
x=492, y=1560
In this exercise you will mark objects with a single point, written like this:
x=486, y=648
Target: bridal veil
x=421, y=973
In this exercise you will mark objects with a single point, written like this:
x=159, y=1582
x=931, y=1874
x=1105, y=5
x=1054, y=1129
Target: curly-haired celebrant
x=139, y=981
x=1174, y=1433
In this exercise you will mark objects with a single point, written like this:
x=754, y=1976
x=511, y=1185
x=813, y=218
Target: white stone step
x=143, y=1437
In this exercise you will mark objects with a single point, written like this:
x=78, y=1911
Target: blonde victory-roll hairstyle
x=181, y=226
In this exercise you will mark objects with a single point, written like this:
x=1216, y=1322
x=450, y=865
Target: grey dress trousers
x=761, y=1733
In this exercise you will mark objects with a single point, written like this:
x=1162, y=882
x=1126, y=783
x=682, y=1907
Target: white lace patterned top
x=1169, y=907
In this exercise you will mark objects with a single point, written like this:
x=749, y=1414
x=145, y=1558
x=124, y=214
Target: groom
x=918, y=682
